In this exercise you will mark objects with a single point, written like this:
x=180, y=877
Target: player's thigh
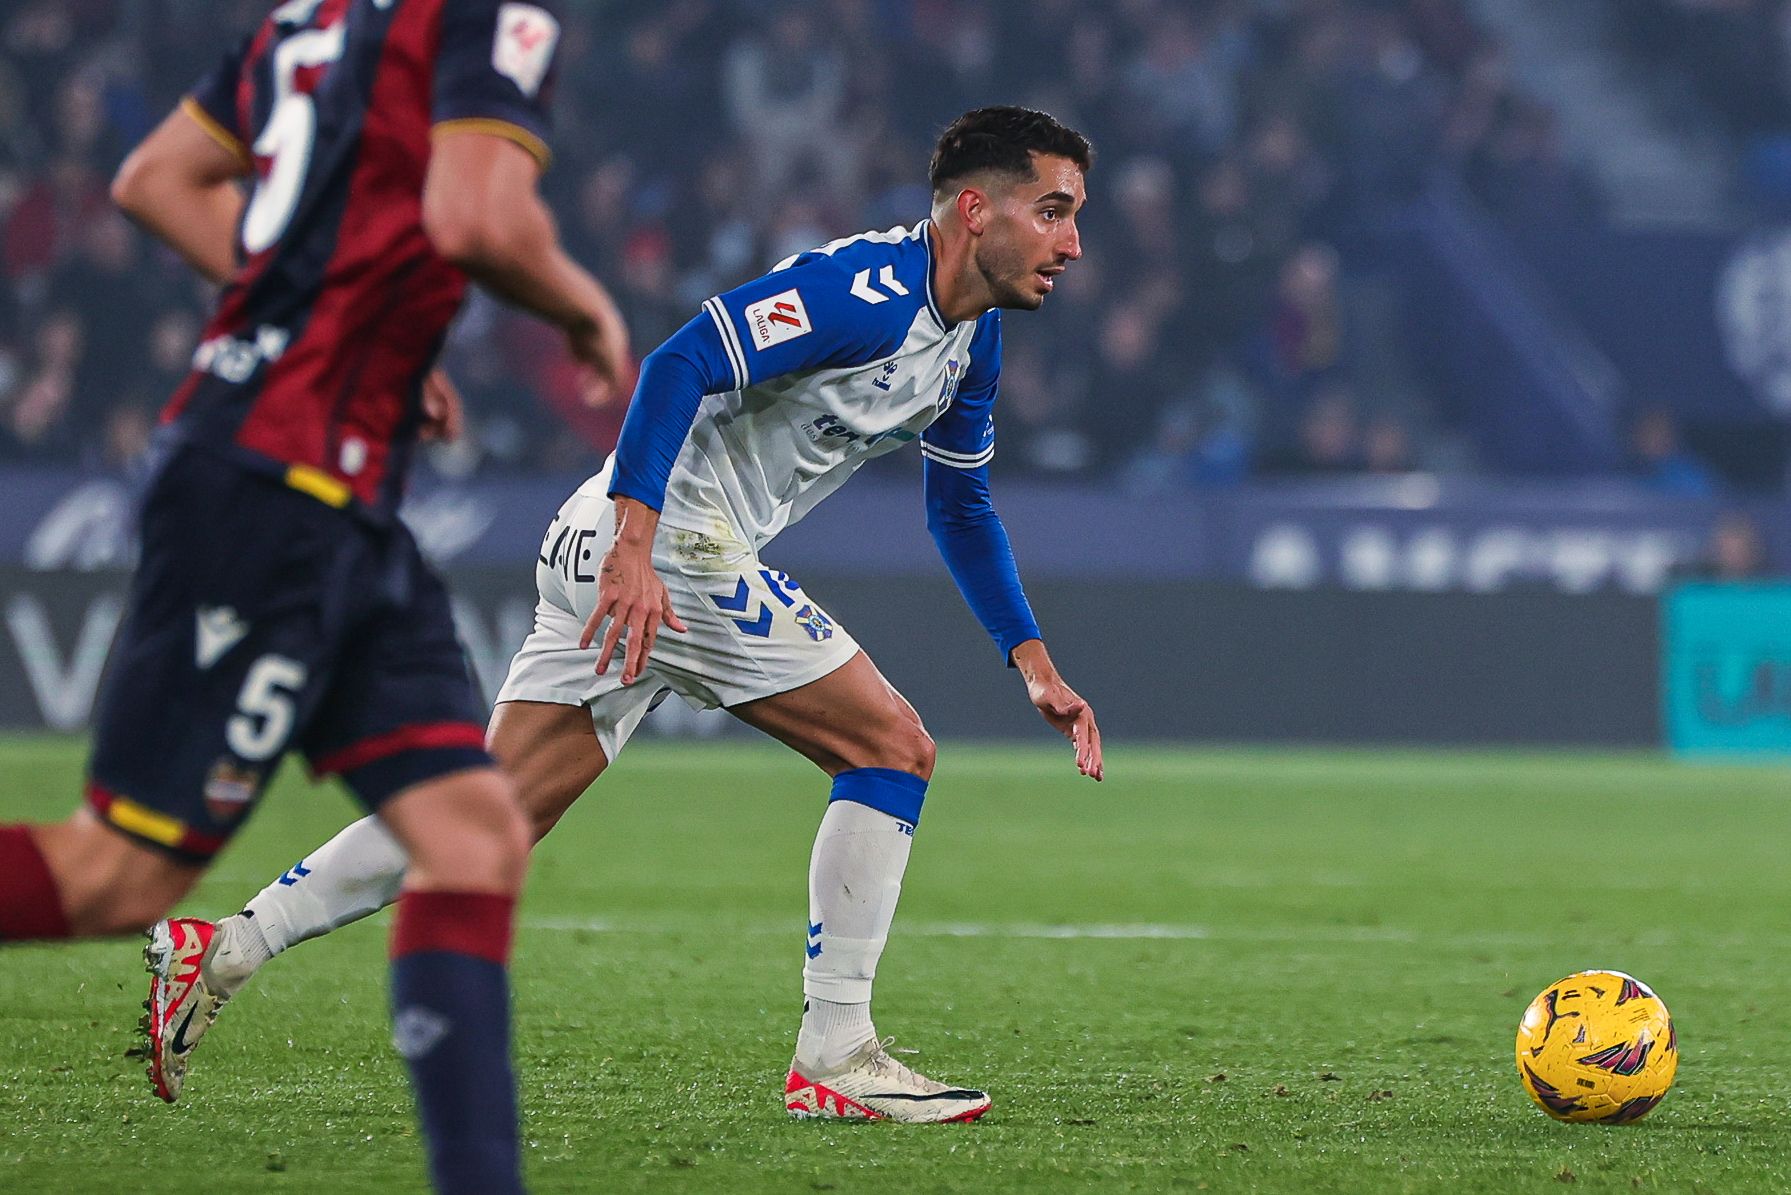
x=463, y=832
x=550, y=752
x=850, y=718
x=234, y=623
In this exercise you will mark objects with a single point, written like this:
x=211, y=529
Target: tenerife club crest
x=949, y=390
x=817, y=624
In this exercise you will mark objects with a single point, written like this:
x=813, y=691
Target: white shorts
x=753, y=632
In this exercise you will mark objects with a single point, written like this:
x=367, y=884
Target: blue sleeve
x=958, y=447
x=674, y=378
x=494, y=70
x=811, y=315
x=977, y=552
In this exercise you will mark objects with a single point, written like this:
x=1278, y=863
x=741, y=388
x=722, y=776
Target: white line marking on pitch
x=1161, y=932
x=1019, y=930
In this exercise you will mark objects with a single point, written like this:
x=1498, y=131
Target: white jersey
x=836, y=356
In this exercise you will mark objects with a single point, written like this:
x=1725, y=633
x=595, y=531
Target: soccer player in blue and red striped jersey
x=392, y=150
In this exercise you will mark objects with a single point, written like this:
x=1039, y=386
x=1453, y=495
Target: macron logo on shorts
x=219, y=630
x=777, y=319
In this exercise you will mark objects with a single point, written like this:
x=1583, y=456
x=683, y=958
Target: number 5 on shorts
x=264, y=717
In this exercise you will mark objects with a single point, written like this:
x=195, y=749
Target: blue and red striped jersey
x=313, y=362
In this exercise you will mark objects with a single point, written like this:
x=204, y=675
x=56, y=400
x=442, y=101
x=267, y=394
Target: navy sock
x=451, y=1021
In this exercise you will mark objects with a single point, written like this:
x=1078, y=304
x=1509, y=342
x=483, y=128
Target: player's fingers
x=1097, y=765
x=446, y=409
x=670, y=616
x=611, y=638
x=1082, y=737
x=596, y=391
x=642, y=630
x=592, y=623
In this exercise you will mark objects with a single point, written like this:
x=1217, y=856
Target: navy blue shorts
x=261, y=621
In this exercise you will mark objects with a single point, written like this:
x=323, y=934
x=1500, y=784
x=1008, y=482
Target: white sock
x=356, y=873
x=237, y=951
x=854, y=881
x=831, y=1033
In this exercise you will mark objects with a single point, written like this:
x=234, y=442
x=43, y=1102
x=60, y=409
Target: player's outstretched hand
x=1061, y=706
x=443, y=418
x=633, y=598
x=601, y=342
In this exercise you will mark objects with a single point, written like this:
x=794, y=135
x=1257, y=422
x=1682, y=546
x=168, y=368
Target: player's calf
x=78, y=878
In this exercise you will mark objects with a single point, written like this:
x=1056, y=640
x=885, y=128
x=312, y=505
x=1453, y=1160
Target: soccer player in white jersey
x=650, y=579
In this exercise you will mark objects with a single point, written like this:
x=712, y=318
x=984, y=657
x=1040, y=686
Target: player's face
x=1032, y=236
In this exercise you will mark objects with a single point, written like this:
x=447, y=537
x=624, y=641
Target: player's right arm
x=181, y=183
x=787, y=321
x=482, y=209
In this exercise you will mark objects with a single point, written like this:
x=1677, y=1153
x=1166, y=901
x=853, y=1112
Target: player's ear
x=973, y=209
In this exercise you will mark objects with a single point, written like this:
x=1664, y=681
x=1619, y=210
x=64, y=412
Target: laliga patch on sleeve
x=526, y=36
x=777, y=319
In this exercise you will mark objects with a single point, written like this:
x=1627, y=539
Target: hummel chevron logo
x=739, y=601
x=814, y=931
x=863, y=289
x=219, y=630
x=294, y=874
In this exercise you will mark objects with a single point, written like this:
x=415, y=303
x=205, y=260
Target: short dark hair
x=1003, y=138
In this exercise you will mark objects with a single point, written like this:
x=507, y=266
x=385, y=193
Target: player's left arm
x=971, y=538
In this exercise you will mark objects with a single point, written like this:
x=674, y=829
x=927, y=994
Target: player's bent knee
x=906, y=749
x=467, y=832
x=925, y=753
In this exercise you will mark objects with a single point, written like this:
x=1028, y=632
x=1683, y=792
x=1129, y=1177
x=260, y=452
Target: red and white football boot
x=180, y=1007
x=874, y=1086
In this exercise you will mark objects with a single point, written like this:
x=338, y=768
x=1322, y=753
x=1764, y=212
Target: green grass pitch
x=1220, y=970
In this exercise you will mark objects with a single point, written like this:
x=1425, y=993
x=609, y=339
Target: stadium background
x=1426, y=382
x=1420, y=345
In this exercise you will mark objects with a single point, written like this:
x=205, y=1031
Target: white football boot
x=874, y=1086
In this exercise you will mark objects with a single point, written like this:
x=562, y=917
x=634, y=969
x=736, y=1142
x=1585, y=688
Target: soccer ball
x=1598, y=1045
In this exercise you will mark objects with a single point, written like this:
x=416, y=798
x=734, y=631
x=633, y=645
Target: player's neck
x=959, y=289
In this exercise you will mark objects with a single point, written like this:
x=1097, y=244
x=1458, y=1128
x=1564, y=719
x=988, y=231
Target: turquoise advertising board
x=1726, y=669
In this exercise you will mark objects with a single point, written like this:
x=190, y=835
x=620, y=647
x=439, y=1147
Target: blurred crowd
x=1219, y=328
x=1737, y=53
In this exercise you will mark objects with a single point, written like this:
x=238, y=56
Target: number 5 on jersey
x=288, y=136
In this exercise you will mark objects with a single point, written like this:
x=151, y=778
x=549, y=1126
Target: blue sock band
x=899, y=794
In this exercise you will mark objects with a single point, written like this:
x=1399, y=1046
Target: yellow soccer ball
x=1598, y=1045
